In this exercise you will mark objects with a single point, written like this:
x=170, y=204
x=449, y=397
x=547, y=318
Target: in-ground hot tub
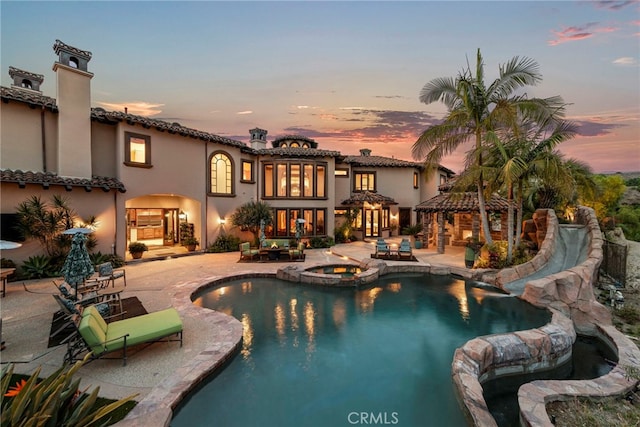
x=345, y=270
x=335, y=275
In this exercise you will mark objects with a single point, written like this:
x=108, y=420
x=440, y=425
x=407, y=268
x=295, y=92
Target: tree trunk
x=483, y=216
x=481, y=205
x=510, y=225
x=440, y=232
x=519, y=218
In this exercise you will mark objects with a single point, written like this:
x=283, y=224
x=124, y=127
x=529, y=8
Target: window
x=268, y=181
x=137, y=150
x=443, y=179
x=295, y=180
x=285, y=222
x=385, y=217
x=281, y=182
x=341, y=172
x=415, y=180
x=308, y=180
x=247, y=171
x=320, y=173
x=364, y=181
x=221, y=174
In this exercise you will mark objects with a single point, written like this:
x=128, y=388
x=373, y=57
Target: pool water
x=316, y=356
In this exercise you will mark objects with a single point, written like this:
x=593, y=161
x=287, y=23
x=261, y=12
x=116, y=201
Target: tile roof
x=32, y=98
x=101, y=115
x=47, y=179
x=297, y=152
x=379, y=161
x=462, y=202
x=360, y=198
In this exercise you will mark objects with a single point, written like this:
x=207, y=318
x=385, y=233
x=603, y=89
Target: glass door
x=372, y=223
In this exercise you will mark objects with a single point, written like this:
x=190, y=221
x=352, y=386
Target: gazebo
x=452, y=218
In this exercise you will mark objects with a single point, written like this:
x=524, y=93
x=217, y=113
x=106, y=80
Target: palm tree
x=517, y=159
x=474, y=109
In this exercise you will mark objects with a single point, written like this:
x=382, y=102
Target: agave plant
x=37, y=267
x=54, y=401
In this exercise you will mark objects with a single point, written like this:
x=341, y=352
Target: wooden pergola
x=465, y=221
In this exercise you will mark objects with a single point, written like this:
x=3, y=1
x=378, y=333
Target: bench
x=101, y=338
x=247, y=252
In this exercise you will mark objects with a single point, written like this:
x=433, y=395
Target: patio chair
x=297, y=252
x=247, y=252
x=404, y=251
x=382, y=249
x=106, y=272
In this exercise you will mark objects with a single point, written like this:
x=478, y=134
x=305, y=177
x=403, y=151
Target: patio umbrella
x=77, y=267
x=77, y=230
x=6, y=244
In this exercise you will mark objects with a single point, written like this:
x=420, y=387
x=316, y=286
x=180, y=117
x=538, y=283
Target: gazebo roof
x=360, y=198
x=462, y=202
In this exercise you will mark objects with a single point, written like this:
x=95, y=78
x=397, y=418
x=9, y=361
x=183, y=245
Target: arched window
x=73, y=62
x=221, y=173
x=26, y=84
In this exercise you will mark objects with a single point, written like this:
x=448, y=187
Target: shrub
x=412, y=230
x=54, y=401
x=224, y=243
x=321, y=242
x=37, y=267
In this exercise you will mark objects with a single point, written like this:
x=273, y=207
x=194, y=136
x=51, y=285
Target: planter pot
x=191, y=248
x=469, y=257
x=418, y=244
x=136, y=255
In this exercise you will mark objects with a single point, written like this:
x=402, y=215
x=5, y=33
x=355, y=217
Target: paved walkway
x=26, y=316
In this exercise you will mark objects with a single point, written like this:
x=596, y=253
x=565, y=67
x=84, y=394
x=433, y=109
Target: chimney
x=26, y=80
x=258, y=138
x=365, y=152
x=74, y=110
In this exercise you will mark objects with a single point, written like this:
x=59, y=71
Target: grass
x=588, y=413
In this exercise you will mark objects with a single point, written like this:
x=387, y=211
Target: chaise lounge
x=100, y=338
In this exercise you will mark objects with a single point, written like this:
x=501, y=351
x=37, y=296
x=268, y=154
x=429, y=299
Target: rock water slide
x=570, y=250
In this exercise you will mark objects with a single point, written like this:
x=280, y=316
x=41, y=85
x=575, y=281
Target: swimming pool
x=315, y=356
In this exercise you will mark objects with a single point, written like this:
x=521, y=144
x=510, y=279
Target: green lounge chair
x=95, y=335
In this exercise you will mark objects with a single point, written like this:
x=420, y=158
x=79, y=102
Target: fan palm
x=475, y=108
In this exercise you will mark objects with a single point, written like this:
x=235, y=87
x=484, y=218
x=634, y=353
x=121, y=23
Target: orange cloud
x=574, y=33
x=138, y=108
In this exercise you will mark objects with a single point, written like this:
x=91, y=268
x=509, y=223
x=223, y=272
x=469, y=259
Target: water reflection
x=459, y=291
x=312, y=353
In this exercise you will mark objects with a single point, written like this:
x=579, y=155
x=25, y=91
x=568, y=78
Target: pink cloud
x=574, y=33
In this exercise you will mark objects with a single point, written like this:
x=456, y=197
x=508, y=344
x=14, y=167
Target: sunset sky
x=347, y=74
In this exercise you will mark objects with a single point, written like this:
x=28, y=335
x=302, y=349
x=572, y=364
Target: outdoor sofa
x=101, y=338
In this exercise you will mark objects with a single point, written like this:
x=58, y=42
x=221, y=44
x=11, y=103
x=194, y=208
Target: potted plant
x=471, y=251
x=190, y=243
x=413, y=231
x=136, y=249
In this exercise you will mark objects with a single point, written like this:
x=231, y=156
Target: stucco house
x=142, y=177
